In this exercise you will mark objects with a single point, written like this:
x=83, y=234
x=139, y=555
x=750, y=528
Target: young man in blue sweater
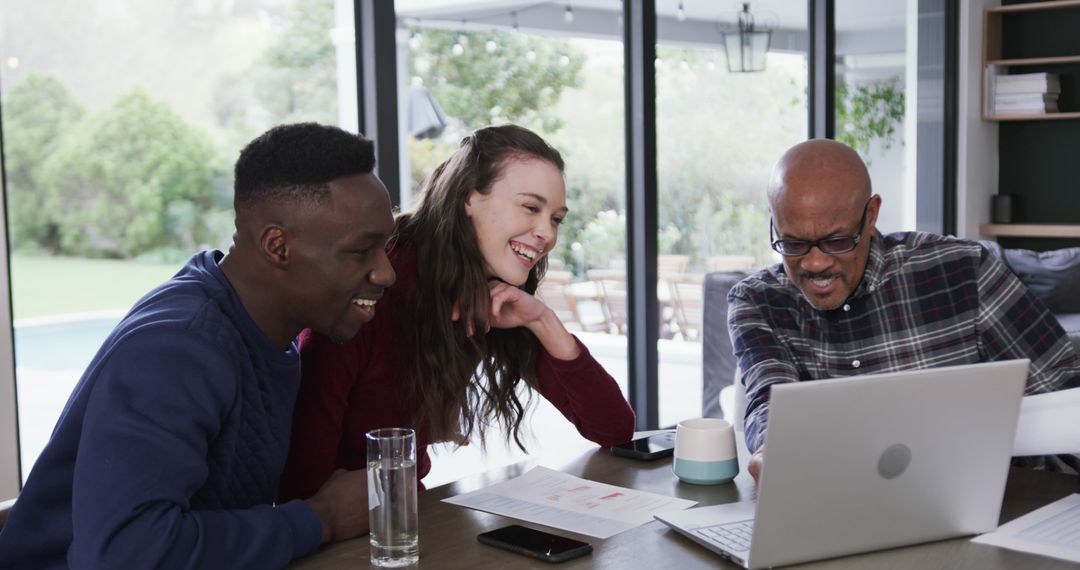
x=169, y=450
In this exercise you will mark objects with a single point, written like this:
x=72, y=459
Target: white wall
x=889, y=178
x=977, y=140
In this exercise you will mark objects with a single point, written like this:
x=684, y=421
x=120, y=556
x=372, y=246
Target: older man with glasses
x=847, y=300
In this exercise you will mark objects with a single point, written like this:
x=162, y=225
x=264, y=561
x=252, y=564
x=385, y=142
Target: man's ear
x=274, y=245
x=872, y=213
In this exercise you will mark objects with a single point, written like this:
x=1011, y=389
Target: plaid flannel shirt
x=924, y=301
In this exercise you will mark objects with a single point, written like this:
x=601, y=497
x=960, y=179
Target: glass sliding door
x=721, y=124
x=555, y=68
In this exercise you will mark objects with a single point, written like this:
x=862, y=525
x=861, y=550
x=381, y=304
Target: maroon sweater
x=351, y=388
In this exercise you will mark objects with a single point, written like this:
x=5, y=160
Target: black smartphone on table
x=535, y=543
x=647, y=448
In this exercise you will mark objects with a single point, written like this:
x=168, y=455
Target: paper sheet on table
x=1053, y=530
x=1049, y=424
x=570, y=503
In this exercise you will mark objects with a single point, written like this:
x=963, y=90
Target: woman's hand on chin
x=511, y=307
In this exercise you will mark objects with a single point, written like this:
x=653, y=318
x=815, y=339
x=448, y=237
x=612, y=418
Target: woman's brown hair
x=465, y=383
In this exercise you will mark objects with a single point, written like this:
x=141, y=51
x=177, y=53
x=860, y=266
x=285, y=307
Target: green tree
x=714, y=159
x=425, y=155
x=129, y=179
x=482, y=78
x=727, y=226
x=605, y=236
x=869, y=111
x=298, y=79
x=38, y=111
x=295, y=79
x=590, y=202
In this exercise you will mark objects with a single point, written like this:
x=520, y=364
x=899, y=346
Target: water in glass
x=393, y=511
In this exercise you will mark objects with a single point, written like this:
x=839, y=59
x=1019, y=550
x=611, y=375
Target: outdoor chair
x=686, y=303
x=672, y=263
x=611, y=293
x=555, y=291
x=729, y=263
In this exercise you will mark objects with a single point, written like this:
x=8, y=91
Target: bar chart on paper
x=571, y=503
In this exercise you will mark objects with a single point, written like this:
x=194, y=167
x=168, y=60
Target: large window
x=719, y=130
x=119, y=146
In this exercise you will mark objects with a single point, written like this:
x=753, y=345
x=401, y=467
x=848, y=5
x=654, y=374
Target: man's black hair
x=294, y=163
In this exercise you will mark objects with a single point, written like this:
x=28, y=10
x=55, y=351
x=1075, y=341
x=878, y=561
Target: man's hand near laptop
x=342, y=505
x=755, y=463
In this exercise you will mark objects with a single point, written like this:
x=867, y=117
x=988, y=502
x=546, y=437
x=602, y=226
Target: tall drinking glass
x=391, y=467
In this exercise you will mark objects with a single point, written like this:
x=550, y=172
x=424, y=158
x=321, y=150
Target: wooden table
x=448, y=532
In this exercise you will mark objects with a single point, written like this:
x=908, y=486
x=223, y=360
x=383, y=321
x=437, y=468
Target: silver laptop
x=871, y=462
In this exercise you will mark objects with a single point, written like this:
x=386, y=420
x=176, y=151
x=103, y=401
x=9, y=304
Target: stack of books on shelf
x=1022, y=93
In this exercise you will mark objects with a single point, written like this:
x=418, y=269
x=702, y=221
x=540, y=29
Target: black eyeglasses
x=830, y=245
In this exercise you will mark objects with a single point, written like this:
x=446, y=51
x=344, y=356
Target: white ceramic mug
x=705, y=452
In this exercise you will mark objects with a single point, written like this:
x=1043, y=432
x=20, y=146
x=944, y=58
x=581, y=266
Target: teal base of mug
x=705, y=472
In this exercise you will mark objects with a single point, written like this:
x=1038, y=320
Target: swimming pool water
x=60, y=346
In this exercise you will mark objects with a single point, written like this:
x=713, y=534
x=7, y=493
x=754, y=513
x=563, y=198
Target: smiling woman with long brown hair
x=453, y=339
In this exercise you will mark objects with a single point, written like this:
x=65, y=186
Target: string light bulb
x=568, y=14
x=680, y=14
x=514, y=25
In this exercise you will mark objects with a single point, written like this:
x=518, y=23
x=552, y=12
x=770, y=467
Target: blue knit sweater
x=168, y=452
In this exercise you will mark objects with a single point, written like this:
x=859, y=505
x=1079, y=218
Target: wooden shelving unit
x=1031, y=230
x=1046, y=117
x=991, y=54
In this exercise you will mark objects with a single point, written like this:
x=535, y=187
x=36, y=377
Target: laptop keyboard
x=734, y=536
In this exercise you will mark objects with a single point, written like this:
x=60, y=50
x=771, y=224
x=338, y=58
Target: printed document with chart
x=555, y=499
